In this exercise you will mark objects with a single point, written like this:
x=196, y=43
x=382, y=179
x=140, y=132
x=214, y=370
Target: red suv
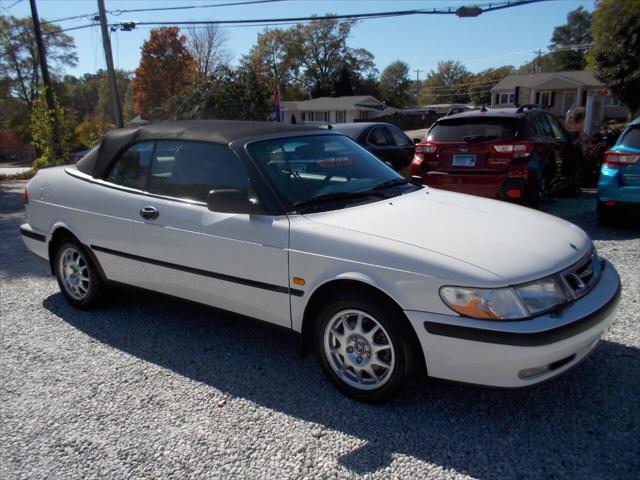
x=518, y=154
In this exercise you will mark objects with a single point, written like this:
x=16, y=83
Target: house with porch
x=325, y=110
x=557, y=92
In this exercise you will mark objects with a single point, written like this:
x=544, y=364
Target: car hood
x=515, y=243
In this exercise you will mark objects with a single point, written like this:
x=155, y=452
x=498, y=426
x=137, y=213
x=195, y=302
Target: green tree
x=616, y=50
x=91, y=130
x=42, y=125
x=394, y=84
x=448, y=83
x=20, y=64
x=481, y=83
x=575, y=33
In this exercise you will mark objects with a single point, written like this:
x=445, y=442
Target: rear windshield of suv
x=632, y=137
x=473, y=129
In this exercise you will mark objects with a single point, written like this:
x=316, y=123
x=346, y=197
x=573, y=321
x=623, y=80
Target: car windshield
x=325, y=167
x=631, y=138
x=470, y=129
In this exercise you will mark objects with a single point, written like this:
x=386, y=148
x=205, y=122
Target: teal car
x=619, y=183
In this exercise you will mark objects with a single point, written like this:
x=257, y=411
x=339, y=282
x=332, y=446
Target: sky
x=503, y=37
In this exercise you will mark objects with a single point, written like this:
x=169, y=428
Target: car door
x=108, y=214
x=380, y=142
x=404, y=147
x=569, y=153
x=554, y=148
x=237, y=262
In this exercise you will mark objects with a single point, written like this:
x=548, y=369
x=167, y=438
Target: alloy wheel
x=359, y=349
x=74, y=273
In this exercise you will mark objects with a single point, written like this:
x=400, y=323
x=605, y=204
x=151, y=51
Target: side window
x=543, y=126
x=400, y=138
x=132, y=167
x=378, y=136
x=189, y=170
x=558, y=130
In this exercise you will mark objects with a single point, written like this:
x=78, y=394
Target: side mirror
x=232, y=200
x=574, y=136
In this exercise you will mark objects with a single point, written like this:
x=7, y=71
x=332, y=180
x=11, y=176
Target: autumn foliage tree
x=165, y=72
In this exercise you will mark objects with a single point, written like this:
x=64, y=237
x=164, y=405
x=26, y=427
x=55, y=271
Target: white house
x=324, y=110
x=555, y=91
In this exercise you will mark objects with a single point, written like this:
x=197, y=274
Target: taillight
x=514, y=150
x=615, y=158
x=26, y=196
x=421, y=149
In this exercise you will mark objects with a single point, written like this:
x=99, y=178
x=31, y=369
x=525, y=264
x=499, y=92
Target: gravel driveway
x=154, y=387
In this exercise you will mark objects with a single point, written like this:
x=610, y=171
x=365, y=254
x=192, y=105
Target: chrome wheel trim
x=74, y=273
x=359, y=349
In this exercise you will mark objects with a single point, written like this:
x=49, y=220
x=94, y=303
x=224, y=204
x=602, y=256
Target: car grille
x=583, y=276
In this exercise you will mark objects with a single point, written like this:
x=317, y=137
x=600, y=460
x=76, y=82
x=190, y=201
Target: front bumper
x=507, y=354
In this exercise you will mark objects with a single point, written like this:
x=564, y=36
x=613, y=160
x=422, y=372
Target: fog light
x=532, y=372
x=514, y=193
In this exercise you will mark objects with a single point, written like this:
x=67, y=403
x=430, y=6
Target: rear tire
x=365, y=346
x=607, y=216
x=77, y=276
x=542, y=195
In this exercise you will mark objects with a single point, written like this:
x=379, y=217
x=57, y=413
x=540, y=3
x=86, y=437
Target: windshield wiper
x=324, y=197
x=478, y=138
x=389, y=183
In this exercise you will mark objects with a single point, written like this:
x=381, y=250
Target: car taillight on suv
x=425, y=155
x=613, y=159
x=507, y=151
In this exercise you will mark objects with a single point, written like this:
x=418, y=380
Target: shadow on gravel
x=581, y=211
x=583, y=425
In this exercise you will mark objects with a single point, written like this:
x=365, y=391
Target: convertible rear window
x=481, y=128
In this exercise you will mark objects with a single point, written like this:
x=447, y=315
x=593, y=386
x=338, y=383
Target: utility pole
x=46, y=80
x=113, y=86
x=538, y=66
x=418, y=84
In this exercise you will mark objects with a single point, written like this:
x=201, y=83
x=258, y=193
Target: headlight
x=498, y=304
x=506, y=303
x=542, y=295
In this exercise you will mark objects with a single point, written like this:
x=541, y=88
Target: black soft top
x=216, y=131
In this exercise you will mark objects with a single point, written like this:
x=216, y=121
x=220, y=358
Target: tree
x=207, y=46
x=20, y=63
x=277, y=56
x=394, y=84
x=91, y=130
x=165, y=71
x=42, y=123
x=577, y=31
x=616, y=50
x=541, y=64
x=446, y=84
x=481, y=83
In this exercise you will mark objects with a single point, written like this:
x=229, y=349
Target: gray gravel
x=153, y=387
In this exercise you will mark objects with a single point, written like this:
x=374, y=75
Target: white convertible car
x=303, y=228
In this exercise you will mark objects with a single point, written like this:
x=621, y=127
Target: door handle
x=149, y=213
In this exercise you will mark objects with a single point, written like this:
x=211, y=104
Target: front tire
x=365, y=346
x=77, y=276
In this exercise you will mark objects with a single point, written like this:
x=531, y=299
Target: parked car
x=385, y=141
x=523, y=155
x=304, y=228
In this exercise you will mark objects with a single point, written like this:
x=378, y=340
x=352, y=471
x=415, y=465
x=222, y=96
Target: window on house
x=326, y=117
x=311, y=116
x=506, y=98
x=364, y=115
x=613, y=102
x=341, y=116
x=545, y=99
